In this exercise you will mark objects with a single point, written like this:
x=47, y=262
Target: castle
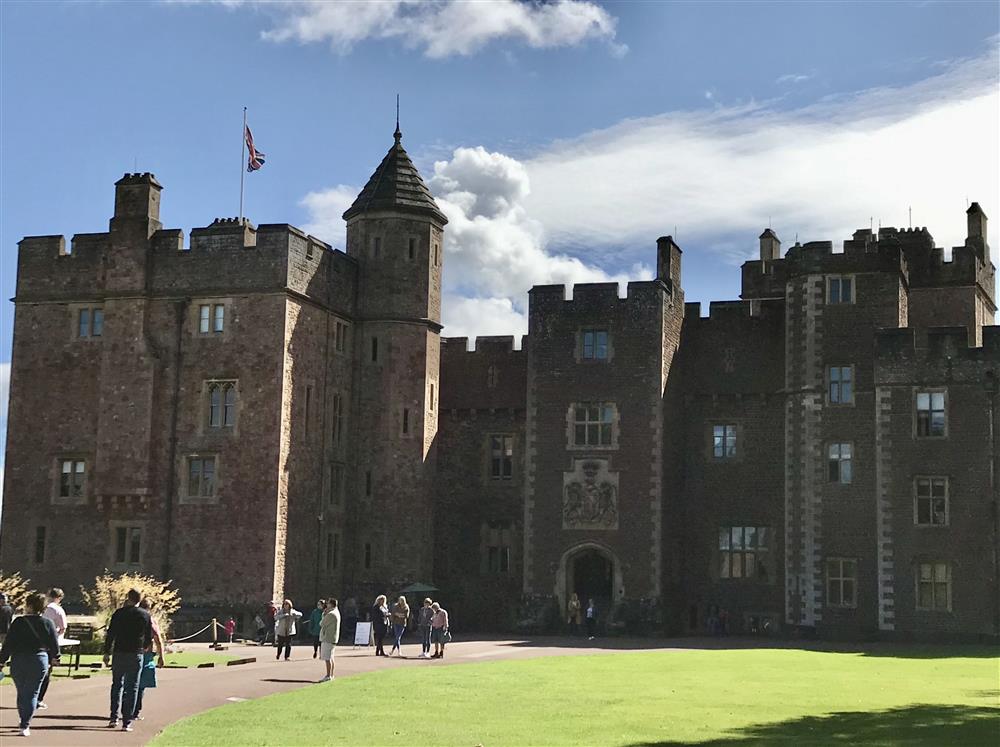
x=256, y=415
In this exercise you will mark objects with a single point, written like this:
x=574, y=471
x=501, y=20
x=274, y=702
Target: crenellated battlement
x=229, y=251
x=910, y=345
x=490, y=375
x=488, y=344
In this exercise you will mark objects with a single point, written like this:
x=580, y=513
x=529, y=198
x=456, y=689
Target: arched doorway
x=592, y=571
x=592, y=578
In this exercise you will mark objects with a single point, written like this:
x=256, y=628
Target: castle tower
x=395, y=232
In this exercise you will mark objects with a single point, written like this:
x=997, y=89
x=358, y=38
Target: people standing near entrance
x=573, y=614
x=591, y=616
x=6, y=616
x=314, y=621
x=55, y=614
x=400, y=615
x=129, y=634
x=380, y=623
x=424, y=616
x=285, y=628
x=230, y=628
x=32, y=648
x=152, y=658
x=329, y=636
x=439, y=630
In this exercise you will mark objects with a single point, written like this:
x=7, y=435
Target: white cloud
x=438, y=29
x=494, y=250
x=792, y=78
x=325, y=208
x=821, y=171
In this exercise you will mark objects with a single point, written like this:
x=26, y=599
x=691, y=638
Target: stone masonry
x=255, y=415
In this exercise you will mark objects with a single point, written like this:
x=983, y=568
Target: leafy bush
x=15, y=587
x=109, y=591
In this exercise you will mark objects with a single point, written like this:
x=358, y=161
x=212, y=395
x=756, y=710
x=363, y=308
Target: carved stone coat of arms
x=590, y=495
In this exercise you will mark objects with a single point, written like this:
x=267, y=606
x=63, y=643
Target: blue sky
x=561, y=139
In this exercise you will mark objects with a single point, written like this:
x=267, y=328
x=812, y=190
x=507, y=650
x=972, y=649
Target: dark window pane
x=121, y=539
x=134, y=546
x=83, y=330
x=97, y=323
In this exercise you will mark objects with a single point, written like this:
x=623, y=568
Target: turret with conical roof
x=396, y=185
x=395, y=231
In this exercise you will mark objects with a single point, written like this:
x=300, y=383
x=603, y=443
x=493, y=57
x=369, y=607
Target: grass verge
x=759, y=696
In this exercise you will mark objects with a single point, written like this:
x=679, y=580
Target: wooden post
x=215, y=633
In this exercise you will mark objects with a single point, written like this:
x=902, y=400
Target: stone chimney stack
x=668, y=261
x=976, y=236
x=770, y=246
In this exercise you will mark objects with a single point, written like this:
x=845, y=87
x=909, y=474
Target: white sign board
x=363, y=634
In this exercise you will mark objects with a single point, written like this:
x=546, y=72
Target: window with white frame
x=840, y=289
x=90, y=322
x=931, y=417
x=595, y=344
x=501, y=457
x=841, y=582
x=724, y=441
x=840, y=464
x=841, y=382
x=72, y=478
x=201, y=476
x=930, y=501
x=593, y=424
x=743, y=553
x=221, y=404
x=934, y=586
x=211, y=318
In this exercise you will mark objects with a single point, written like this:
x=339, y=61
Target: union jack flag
x=255, y=159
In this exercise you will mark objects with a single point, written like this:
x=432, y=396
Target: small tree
x=109, y=591
x=15, y=587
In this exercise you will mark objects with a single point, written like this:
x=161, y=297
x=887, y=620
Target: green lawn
x=184, y=659
x=758, y=696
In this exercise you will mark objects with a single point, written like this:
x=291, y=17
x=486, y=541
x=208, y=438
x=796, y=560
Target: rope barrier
x=178, y=640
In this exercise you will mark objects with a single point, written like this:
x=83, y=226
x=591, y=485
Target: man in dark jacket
x=130, y=632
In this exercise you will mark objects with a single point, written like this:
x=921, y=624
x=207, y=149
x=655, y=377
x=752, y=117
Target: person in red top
x=230, y=628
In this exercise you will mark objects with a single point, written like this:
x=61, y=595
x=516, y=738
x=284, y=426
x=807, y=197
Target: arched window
x=222, y=404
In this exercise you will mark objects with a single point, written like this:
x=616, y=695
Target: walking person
x=399, y=616
x=285, y=627
x=6, y=616
x=314, y=622
x=380, y=623
x=152, y=658
x=31, y=646
x=591, y=619
x=329, y=636
x=573, y=614
x=57, y=616
x=424, y=616
x=129, y=634
x=439, y=630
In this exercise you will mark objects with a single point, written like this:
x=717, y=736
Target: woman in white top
x=284, y=627
x=57, y=615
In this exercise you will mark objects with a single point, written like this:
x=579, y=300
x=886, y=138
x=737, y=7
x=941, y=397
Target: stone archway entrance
x=593, y=572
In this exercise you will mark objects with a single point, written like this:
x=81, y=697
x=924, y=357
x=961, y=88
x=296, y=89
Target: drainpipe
x=180, y=310
x=991, y=401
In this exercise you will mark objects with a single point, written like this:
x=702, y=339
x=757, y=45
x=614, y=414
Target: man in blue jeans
x=130, y=632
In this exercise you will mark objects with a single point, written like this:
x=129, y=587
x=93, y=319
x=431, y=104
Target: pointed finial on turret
x=397, y=134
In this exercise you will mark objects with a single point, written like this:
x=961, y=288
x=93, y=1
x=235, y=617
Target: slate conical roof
x=396, y=185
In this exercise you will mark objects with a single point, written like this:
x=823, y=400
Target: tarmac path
x=78, y=709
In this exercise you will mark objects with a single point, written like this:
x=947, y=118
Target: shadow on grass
x=914, y=726
x=894, y=650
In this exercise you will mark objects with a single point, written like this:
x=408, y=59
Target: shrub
x=15, y=587
x=109, y=591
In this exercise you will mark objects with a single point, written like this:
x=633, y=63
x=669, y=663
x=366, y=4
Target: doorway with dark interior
x=593, y=578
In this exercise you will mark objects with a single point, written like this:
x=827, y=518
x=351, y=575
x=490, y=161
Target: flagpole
x=243, y=149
